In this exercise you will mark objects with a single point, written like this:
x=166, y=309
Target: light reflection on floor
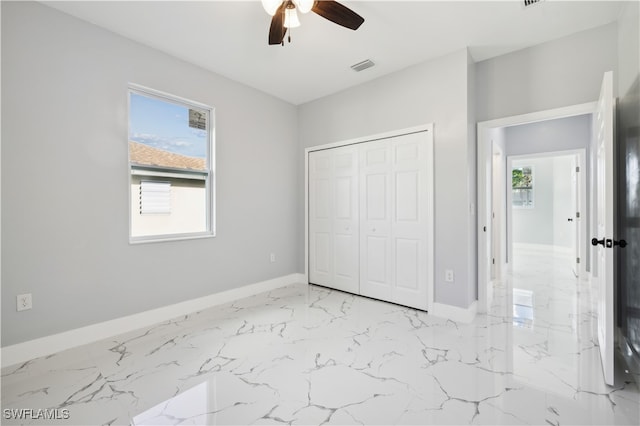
x=307, y=355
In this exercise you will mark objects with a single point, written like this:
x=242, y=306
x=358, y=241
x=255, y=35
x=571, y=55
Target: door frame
x=499, y=205
x=484, y=185
x=580, y=155
x=385, y=135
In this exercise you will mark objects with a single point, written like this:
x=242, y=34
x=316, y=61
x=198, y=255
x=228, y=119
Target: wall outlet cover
x=24, y=302
x=448, y=275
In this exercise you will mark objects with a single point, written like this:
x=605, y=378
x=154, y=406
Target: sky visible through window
x=165, y=125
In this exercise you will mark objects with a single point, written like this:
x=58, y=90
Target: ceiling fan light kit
x=285, y=15
x=291, y=18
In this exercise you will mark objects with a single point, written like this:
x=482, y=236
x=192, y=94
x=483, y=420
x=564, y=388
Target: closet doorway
x=370, y=215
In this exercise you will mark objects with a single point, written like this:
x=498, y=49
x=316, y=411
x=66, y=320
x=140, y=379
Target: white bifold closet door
x=394, y=227
x=371, y=218
x=333, y=218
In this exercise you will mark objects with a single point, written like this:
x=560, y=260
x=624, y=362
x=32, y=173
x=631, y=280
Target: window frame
x=533, y=187
x=159, y=173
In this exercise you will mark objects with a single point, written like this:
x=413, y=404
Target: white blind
x=155, y=197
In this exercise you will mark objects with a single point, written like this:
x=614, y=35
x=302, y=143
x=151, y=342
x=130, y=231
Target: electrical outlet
x=24, y=302
x=448, y=275
x=272, y=257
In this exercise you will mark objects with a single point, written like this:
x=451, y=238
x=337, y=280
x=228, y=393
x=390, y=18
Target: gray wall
x=64, y=179
x=562, y=134
x=567, y=71
x=628, y=38
x=546, y=223
x=534, y=225
x=432, y=92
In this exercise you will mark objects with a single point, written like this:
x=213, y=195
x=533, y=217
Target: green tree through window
x=522, y=186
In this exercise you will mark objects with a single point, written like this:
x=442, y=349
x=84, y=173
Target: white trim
x=44, y=346
x=455, y=313
x=484, y=216
x=534, y=117
x=416, y=129
x=191, y=176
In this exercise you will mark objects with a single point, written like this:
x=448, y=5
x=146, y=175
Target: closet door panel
x=407, y=264
x=320, y=223
x=333, y=219
x=371, y=219
x=410, y=220
x=345, y=219
x=407, y=196
x=375, y=205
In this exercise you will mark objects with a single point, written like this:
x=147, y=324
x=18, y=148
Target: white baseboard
x=22, y=352
x=454, y=313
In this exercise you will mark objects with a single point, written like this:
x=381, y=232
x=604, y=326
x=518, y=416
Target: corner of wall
x=472, y=187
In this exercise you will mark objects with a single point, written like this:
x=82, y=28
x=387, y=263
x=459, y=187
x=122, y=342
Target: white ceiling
x=230, y=37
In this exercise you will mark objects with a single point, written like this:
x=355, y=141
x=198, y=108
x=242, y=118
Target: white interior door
x=604, y=212
x=333, y=218
x=395, y=218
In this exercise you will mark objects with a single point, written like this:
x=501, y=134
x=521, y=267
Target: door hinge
x=578, y=215
x=577, y=169
x=493, y=261
x=577, y=260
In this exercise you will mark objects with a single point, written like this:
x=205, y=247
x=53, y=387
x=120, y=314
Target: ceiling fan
x=285, y=15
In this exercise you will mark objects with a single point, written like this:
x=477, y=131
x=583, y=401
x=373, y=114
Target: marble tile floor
x=308, y=355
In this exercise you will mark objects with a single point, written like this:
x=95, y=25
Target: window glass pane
x=522, y=186
x=166, y=134
x=170, y=156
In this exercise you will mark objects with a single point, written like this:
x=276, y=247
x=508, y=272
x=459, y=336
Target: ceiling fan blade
x=277, y=29
x=337, y=13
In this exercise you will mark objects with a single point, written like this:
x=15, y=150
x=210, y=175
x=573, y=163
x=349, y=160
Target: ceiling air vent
x=529, y=3
x=362, y=65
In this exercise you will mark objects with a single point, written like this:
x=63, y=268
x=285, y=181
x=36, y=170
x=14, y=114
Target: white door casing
x=574, y=216
x=498, y=194
x=484, y=162
x=604, y=211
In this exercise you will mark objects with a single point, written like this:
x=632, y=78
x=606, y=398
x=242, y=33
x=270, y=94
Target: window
x=171, y=167
x=522, y=187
